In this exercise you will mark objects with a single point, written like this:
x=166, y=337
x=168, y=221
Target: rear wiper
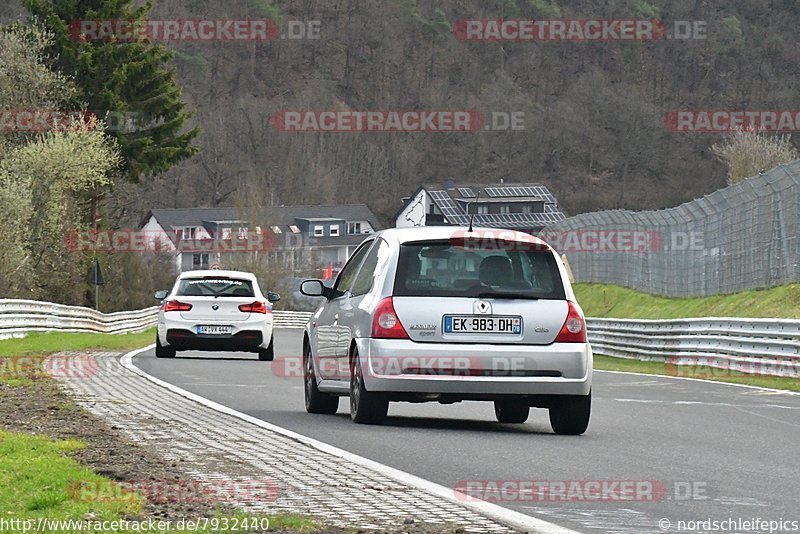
x=505, y=295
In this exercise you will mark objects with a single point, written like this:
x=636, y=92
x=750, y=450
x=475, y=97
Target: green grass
x=39, y=480
x=41, y=343
x=605, y=300
x=36, y=477
x=608, y=363
x=21, y=358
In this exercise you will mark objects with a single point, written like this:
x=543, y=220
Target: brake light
x=255, y=307
x=574, y=328
x=385, y=323
x=176, y=305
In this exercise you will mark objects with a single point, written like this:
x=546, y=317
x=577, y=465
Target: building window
x=242, y=232
x=294, y=229
x=319, y=231
x=526, y=208
x=226, y=233
x=276, y=229
x=334, y=230
x=200, y=261
x=505, y=208
x=482, y=209
x=353, y=228
x=185, y=232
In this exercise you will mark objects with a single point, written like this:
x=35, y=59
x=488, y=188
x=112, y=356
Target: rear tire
x=268, y=354
x=570, y=415
x=316, y=401
x=365, y=407
x=163, y=352
x=511, y=411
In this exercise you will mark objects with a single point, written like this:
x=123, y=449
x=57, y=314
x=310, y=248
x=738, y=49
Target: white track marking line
x=498, y=513
x=771, y=390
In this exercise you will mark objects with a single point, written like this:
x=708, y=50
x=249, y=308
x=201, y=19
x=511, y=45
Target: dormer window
x=186, y=232
x=505, y=208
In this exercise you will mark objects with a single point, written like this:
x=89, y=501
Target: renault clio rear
x=446, y=314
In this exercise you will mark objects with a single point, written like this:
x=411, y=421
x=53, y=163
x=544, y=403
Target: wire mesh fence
x=741, y=237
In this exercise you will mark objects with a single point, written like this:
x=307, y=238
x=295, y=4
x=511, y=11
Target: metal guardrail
x=290, y=319
x=731, y=343
x=18, y=317
x=757, y=346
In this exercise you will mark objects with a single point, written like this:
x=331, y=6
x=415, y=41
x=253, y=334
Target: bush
x=747, y=153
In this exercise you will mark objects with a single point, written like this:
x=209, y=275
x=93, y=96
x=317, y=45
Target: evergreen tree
x=132, y=79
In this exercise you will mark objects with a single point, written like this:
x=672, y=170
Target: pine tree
x=133, y=79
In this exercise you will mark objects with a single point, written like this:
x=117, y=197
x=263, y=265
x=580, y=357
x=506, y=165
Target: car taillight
x=574, y=329
x=176, y=305
x=385, y=323
x=255, y=307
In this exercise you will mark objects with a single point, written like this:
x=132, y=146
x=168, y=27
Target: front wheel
x=570, y=414
x=511, y=411
x=365, y=407
x=316, y=401
x=163, y=352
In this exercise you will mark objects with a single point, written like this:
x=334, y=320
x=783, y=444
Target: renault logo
x=215, y=307
x=483, y=307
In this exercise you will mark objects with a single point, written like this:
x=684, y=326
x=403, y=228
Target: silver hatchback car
x=449, y=314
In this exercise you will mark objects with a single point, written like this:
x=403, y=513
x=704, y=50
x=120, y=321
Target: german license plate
x=479, y=324
x=215, y=330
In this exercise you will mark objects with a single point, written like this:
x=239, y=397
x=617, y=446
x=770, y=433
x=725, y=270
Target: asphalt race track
x=720, y=451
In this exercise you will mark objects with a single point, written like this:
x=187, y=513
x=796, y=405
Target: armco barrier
x=732, y=343
x=18, y=317
x=724, y=340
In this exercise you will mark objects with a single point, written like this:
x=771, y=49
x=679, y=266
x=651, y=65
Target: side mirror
x=161, y=294
x=273, y=297
x=313, y=288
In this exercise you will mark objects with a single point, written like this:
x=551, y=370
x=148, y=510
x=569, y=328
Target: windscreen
x=445, y=269
x=215, y=287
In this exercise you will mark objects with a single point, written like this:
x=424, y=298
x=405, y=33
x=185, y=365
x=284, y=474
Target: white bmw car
x=216, y=311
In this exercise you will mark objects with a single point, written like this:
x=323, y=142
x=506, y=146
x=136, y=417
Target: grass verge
x=38, y=480
x=22, y=359
x=606, y=300
x=40, y=343
x=36, y=477
x=608, y=363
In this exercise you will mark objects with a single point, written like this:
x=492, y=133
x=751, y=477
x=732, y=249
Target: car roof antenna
x=472, y=215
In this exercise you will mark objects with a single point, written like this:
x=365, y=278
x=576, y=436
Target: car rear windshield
x=451, y=269
x=215, y=287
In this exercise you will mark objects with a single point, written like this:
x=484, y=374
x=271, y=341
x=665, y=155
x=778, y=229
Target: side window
x=373, y=263
x=346, y=277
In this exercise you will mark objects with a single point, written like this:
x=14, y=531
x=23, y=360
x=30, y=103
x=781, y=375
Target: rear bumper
x=476, y=370
x=244, y=340
x=249, y=335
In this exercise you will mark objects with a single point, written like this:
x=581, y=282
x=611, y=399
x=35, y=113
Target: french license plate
x=479, y=324
x=214, y=330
